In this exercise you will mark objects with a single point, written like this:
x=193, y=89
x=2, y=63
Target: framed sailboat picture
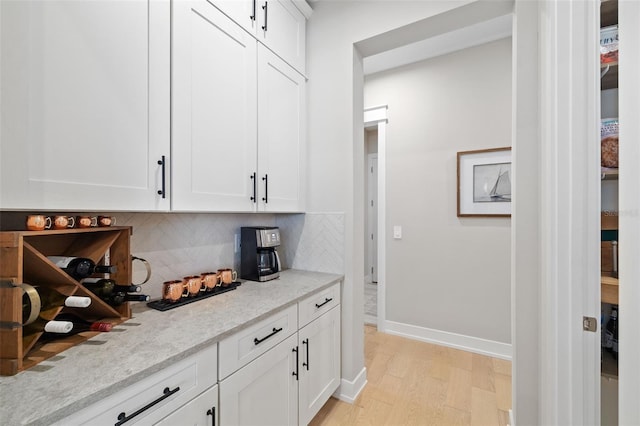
x=484, y=182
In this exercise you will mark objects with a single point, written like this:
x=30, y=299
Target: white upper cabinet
x=281, y=127
x=213, y=110
x=278, y=24
x=85, y=104
x=238, y=118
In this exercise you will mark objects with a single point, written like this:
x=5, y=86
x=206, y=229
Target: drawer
x=314, y=306
x=246, y=345
x=184, y=380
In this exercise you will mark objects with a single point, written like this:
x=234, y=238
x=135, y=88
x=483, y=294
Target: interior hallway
x=417, y=383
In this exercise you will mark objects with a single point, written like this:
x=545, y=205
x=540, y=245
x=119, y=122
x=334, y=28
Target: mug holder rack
x=163, y=305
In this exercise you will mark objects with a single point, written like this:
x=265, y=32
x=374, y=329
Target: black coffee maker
x=259, y=260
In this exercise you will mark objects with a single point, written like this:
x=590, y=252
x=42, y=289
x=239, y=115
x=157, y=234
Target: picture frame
x=484, y=183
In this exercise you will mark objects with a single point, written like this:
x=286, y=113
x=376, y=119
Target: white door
x=85, y=104
x=200, y=411
x=372, y=210
x=319, y=344
x=265, y=391
x=281, y=124
x=213, y=110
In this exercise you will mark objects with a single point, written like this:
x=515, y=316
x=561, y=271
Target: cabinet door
x=281, y=27
x=213, y=110
x=319, y=363
x=85, y=104
x=200, y=411
x=281, y=140
x=265, y=391
x=243, y=12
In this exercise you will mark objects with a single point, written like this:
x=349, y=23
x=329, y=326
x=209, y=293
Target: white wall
x=446, y=273
x=335, y=110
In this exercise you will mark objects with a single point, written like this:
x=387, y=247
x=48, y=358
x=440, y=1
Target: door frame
x=569, y=182
x=377, y=116
x=629, y=212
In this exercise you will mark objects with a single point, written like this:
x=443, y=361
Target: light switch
x=397, y=232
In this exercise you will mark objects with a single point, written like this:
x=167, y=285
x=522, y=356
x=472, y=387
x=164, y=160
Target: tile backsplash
x=181, y=244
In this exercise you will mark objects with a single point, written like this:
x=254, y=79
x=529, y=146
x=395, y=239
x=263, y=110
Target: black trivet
x=162, y=305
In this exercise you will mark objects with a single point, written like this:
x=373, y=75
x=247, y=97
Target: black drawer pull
x=257, y=341
x=123, y=418
x=326, y=300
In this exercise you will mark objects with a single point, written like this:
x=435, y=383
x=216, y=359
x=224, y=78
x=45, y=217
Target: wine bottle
x=80, y=267
x=136, y=297
x=42, y=325
x=37, y=299
x=80, y=324
x=106, y=286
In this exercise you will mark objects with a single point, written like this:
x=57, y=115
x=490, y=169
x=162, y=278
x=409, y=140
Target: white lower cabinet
x=157, y=396
x=265, y=391
x=319, y=346
x=288, y=383
x=201, y=411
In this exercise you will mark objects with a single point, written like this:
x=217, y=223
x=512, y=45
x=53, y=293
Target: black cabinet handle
x=306, y=364
x=266, y=188
x=257, y=341
x=295, y=373
x=326, y=300
x=255, y=184
x=253, y=17
x=265, y=15
x=212, y=412
x=166, y=393
x=162, y=191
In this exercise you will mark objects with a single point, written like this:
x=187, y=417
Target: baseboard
x=452, y=340
x=370, y=319
x=349, y=391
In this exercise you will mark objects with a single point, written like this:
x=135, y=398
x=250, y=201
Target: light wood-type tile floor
x=417, y=383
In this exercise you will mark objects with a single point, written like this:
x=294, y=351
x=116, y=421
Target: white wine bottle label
x=77, y=301
x=61, y=261
x=60, y=327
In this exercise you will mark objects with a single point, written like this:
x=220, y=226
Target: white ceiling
x=472, y=35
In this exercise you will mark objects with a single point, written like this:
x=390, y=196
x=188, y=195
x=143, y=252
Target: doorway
x=371, y=226
x=375, y=121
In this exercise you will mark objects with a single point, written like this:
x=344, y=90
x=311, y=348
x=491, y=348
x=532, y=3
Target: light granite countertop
x=148, y=342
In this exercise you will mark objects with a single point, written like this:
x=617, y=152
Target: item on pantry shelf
x=227, y=276
x=41, y=325
x=172, y=291
x=210, y=280
x=80, y=324
x=80, y=267
x=63, y=222
x=192, y=285
x=609, y=142
x=38, y=222
x=39, y=299
x=609, y=44
x=86, y=221
x=106, y=220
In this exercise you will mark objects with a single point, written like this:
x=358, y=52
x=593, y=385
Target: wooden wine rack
x=23, y=259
